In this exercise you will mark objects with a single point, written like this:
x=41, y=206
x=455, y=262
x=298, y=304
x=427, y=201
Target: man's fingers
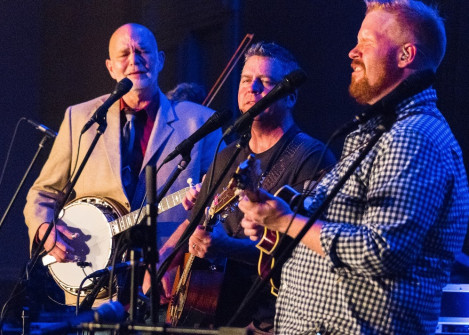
x=252, y=233
x=190, y=197
x=67, y=233
x=59, y=253
x=199, y=242
x=251, y=229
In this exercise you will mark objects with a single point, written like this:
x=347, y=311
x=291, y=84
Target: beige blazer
x=102, y=174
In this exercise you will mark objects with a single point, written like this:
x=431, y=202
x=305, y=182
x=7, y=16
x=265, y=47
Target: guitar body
x=267, y=245
x=272, y=240
x=195, y=297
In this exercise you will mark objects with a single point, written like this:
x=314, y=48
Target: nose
x=256, y=86
x=134, y=58
x=354, y=53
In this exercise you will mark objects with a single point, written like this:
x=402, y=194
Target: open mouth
x=136, y=73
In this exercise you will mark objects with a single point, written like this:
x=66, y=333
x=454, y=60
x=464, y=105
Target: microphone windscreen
x=123, y=86
x=295, y=79
x=110, y=312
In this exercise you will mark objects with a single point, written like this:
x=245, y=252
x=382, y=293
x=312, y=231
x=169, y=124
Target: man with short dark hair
x=286, y=156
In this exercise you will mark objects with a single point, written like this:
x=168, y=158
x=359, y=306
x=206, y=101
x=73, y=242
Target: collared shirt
x=389, y=235
x=145, y=119
x=132, y=164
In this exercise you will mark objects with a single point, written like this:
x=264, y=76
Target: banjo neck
x=129, y=220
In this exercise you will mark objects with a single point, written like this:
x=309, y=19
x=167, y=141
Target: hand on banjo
x=192, y=194
x=55, y=243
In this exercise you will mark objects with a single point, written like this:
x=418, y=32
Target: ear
x=407, y=55
x=110, y=68
x=291, y=99
x=161, y=57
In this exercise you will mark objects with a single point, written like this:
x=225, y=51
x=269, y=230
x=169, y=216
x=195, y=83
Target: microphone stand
x=33, y=161
x=186, y=159
x=283, y=255
x=87, y=302
x=60, y=205
x=151, y=255
x=21, y=282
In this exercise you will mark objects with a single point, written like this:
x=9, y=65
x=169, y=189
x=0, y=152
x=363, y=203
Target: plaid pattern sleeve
x=389, y=235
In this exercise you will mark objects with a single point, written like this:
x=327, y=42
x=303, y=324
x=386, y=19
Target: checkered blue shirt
x=389, y=236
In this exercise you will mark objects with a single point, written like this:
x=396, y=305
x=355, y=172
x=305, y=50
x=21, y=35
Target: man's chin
x=360, y=92
x=141, y=85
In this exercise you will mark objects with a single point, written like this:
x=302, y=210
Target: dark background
x=53, y=53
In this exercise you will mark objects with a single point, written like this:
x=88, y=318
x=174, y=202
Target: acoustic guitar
x=194, y=298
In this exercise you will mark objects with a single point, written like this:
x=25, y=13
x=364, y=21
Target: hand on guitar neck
x=273, y=213
x=212, y=240
x=265, y=216
x=191, y=195
x=262, y=209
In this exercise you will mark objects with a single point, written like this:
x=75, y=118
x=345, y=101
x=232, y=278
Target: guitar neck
x=225, y=198
x=129, y=220
x=172, y=200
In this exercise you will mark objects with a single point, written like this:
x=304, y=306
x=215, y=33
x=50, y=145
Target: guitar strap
x=279, y=168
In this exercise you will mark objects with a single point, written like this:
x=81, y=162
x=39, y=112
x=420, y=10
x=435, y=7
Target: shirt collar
x=423, y=102
x=150, y=110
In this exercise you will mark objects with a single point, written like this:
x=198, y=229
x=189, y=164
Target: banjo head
x=89, y=217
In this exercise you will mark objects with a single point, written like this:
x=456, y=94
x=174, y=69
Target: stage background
x=53, y=55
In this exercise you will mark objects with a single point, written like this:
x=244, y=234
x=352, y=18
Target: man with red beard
x=376, y=260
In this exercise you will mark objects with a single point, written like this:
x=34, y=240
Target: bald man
x=160, y=126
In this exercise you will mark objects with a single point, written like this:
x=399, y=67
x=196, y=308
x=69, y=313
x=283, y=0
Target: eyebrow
x=261, y=77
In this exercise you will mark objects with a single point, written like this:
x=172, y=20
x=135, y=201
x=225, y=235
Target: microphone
x=110, y=312
x=213, y=123
x=120, y=90
x=410, y=86
x=286, y=86
x=117, y=268
x=49, y=132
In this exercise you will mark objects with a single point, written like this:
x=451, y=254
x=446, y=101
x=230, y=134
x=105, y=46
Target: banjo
x=96, y=220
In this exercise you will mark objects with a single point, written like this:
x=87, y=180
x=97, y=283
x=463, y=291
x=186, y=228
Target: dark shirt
x=242, y=269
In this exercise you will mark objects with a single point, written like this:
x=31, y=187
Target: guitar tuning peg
x=190, y=182
x=224, y=215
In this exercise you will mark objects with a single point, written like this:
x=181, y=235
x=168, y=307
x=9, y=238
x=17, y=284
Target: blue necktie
x=129, y=173
x=128, y=134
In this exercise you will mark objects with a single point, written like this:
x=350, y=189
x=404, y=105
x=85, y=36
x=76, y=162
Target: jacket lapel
x=162, y=129
x=112, y=139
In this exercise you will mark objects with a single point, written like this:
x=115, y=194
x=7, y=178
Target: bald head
x=133, y=53
x=131, y=30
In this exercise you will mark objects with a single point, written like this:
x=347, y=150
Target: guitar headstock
x=246, y=177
